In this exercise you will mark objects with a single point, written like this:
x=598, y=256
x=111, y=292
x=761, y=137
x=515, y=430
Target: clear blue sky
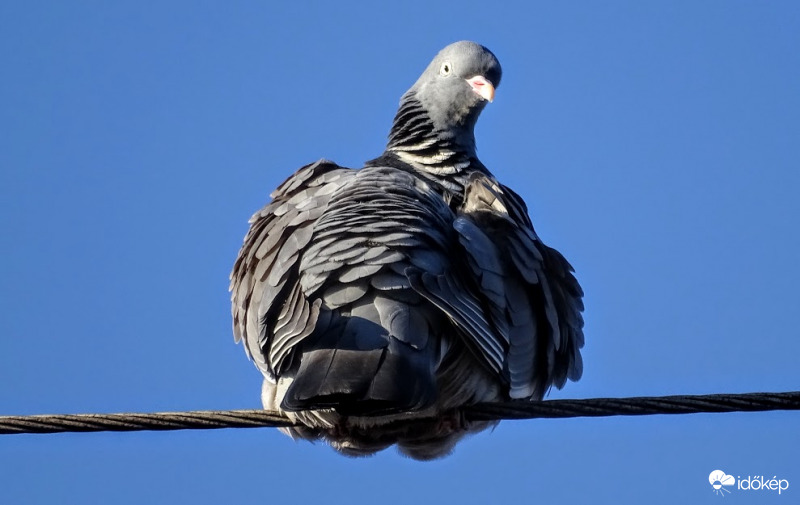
x=656, y=143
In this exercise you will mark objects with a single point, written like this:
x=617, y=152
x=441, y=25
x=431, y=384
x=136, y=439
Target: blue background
x=658, y=147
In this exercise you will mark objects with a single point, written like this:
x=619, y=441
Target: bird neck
x=447, y=156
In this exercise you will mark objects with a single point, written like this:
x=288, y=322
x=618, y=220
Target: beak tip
x=487, y=92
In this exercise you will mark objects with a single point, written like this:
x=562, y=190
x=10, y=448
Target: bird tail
x=387, y=378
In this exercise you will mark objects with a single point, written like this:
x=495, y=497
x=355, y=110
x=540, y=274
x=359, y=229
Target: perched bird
x=379, y=302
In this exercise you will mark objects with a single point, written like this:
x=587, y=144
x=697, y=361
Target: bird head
x=457, y=85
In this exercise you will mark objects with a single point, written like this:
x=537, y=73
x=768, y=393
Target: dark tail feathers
x=363, y=382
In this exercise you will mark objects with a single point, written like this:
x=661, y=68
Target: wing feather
x=264, y=278
x=533, y=299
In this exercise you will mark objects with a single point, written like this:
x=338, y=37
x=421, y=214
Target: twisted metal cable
x=592, y=407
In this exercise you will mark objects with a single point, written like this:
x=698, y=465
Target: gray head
x=457, y=84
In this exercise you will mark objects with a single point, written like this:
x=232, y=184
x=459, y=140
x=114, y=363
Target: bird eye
x=445, y=68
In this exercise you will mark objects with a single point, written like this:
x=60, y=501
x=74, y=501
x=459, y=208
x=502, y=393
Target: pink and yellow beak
x=482, y=87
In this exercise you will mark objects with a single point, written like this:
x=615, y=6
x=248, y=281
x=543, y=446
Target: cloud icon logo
x=718, y=478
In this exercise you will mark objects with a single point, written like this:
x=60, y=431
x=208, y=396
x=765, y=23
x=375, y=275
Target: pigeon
x=381, y=302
